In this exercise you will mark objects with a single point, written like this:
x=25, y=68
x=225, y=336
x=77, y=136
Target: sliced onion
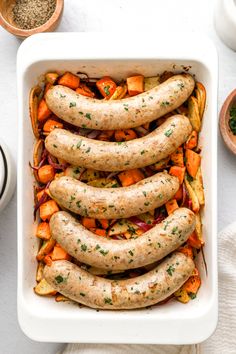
x=41, y=200
x=57, y=166
x=93, y=134
x=159, y=219
x=140, y=223
x=81, y=173
x=112, y=174
x=141, y=131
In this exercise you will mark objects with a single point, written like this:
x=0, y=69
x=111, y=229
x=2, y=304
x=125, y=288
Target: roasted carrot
x=106, y=86
x=104, y=223
x=43, y=110
x=192, y=162
x=46, y=174
x=187, y=250
x=47, y=209
x=106, y=135
x=40, y=194
x=130, y=177
x=191, y=143
x=88, y=222
x=59, y=253
x=194, y=241
x=45, y=249
x=192, y=284
x=51, y=124
x=43, y=231
x=48, y=259
x=171, y=206
x=70, y=80
x=179, y=194
x=51, y=77
x=47, y=87
x=99, y=232
x=135, y=85
x=125, y=135
x=85, y=91
x=178, y=172
x=177, y=157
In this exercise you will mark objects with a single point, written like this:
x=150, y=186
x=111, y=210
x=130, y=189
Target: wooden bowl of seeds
x=26, y=17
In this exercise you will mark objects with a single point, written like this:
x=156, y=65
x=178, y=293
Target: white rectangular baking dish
x=43, y=319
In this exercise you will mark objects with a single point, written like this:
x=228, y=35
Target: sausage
x=100, y=293
x=119, y=156
x=127, y=113
x=114, y=203
x=110, y=254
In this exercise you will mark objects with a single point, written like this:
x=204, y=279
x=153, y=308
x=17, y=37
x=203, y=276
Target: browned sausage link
x=131, y=112
x=119, y=156
x=142, y=291
x=106, y=253
x=114, y=203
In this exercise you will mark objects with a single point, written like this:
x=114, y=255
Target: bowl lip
x=44, y=27
x=222, y=122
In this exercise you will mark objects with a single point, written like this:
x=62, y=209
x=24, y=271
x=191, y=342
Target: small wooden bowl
x=227, y=135
x=6, y=19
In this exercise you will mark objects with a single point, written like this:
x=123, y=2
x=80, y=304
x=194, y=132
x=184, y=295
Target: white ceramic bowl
x=97, y=54
x=7, y=175
x=225, y=21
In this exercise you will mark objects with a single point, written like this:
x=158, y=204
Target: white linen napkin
x=223, y=341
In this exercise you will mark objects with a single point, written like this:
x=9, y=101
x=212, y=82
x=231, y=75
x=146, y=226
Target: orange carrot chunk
x=48, y=259
x=43, y=231
x=135, y=85
x=178, y=157
x=191, y=143
x=40, y=194
x=47, y=209
x=193, y=161
x=130, y=177
x=70, y=80
x=106, y=135
x=59, y=253
x=46, y=174
x=179, y=194
x=104, y=223
x=99, y=232
x=43, y=110
x=88, y=222
x=192, y=284
x=171, y=206
x=187, y=250
x=51, y=124
x=178, y=172
x=85, y=91
x=106, y=86
x=125, y=135
x=194, y=241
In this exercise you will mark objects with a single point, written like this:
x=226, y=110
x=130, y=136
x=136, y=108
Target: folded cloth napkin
x=223, y=341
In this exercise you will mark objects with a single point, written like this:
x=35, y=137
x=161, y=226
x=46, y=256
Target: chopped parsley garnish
x=170, y=270
x=83, y=248
x=174, y=230
x=79, y=144
x=142, y=152
x=131, y=253
x=82, y=294
x=108, y=300
x=165, y=103
x=88, y=116
x=88, y=150
x=106, y=90
x=103, y=252
x=168, y=132
x=55, y=146
x=232, y=121
x=72, y=104
x=97, y=247
x=78, y=203
x=144, y=193
x=59, y=279
x=192, y=295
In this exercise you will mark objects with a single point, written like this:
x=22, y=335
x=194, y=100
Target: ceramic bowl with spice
x=228, y=121
x=26, y=17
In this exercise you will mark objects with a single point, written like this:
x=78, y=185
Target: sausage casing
x=127, y=113
x=100, y=293
x=114, y=203
x=119, y=156
x=102, y=252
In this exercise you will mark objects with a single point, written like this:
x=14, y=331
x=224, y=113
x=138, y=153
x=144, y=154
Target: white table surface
x=155, y=16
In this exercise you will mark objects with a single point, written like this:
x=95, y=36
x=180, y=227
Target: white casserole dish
x=43, y=319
